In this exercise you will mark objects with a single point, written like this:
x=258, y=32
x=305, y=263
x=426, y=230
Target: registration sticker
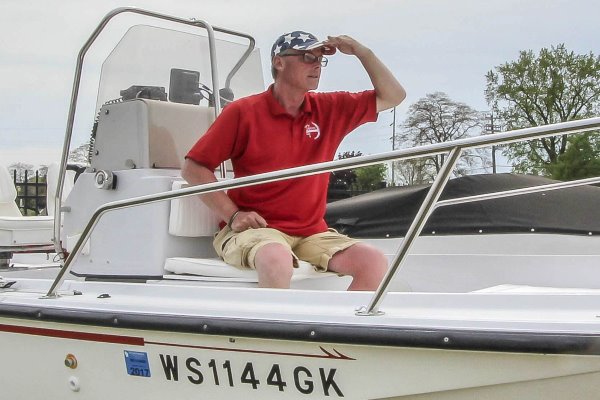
x=137, y=363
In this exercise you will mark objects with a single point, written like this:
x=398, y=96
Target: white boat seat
x=22, y=234
x=15, y=230
x=216, y=268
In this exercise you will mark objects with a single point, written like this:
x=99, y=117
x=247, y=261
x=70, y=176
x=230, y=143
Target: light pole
x=491, y=128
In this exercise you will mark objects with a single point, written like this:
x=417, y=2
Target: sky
x=429, y=45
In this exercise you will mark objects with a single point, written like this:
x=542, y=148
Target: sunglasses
x=308, y=58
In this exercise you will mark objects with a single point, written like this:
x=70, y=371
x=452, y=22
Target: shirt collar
x=277, y=109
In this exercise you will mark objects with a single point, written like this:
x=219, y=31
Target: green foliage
x=355, y=181
x=371, y=177
x=580, y=160
x=557, y=85
x=345, y=178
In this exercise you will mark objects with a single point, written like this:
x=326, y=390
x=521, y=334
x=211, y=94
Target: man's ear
x=277, y=63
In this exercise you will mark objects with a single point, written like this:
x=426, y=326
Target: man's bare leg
x=366, y=264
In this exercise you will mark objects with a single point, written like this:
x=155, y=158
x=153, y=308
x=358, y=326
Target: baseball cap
x=300, y=40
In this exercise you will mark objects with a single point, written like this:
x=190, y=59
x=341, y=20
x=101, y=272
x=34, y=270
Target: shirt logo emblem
x=312, y=130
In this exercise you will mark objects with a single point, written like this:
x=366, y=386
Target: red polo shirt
x=259, y=136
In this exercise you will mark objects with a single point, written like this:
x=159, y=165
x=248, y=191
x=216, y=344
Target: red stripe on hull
x=137, y=341
x=56, y=333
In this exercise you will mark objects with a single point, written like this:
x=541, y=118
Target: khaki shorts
x=239, y=248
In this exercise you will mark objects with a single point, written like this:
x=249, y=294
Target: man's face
x=301, y=69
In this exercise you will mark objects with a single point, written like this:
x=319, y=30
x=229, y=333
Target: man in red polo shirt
x=270, y=226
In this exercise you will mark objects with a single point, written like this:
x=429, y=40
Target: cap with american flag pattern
x=299, y=40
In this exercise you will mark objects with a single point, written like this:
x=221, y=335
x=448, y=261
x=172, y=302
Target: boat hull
x=100, y=362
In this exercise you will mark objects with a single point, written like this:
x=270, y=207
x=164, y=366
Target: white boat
x=30, y=238
x=147, y=310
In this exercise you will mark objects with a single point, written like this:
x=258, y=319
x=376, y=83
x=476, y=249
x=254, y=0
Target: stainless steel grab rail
x=455, y=147
x=517, y=192
x=77, y=79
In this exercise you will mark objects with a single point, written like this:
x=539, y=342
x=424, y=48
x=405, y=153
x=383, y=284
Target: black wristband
x=232, y=218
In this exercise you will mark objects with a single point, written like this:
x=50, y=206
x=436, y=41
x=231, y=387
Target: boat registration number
x=226, y=373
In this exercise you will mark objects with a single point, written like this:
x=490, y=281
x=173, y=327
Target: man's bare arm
x=389, y=91
x=219, y=202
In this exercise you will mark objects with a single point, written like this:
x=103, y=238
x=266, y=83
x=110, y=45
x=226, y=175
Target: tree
x=350, y=182
x=554, y=86
x=43, y=170
x=80, y=154
x=364, y=178
x=410, y=172
x=23, y=169
x=371, y=177
x=436, y=119
x=580, y=160
x=344, y=179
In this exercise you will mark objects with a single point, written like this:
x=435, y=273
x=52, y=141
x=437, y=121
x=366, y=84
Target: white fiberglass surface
x=558, y=312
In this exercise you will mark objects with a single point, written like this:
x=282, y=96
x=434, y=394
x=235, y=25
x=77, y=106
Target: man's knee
x=274, y=254
x=365, y=263
x=367, y=255
x=374, y=254
x=274, y=265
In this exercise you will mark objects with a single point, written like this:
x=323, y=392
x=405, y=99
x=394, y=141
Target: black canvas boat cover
x=389, y=212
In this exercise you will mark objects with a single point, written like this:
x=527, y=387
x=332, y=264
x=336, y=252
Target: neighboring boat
x=31, y=236
x=148, y=310
x=531, y=239
x=389, y=212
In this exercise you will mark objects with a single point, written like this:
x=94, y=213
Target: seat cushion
x=211, y=267
x=16, y=231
